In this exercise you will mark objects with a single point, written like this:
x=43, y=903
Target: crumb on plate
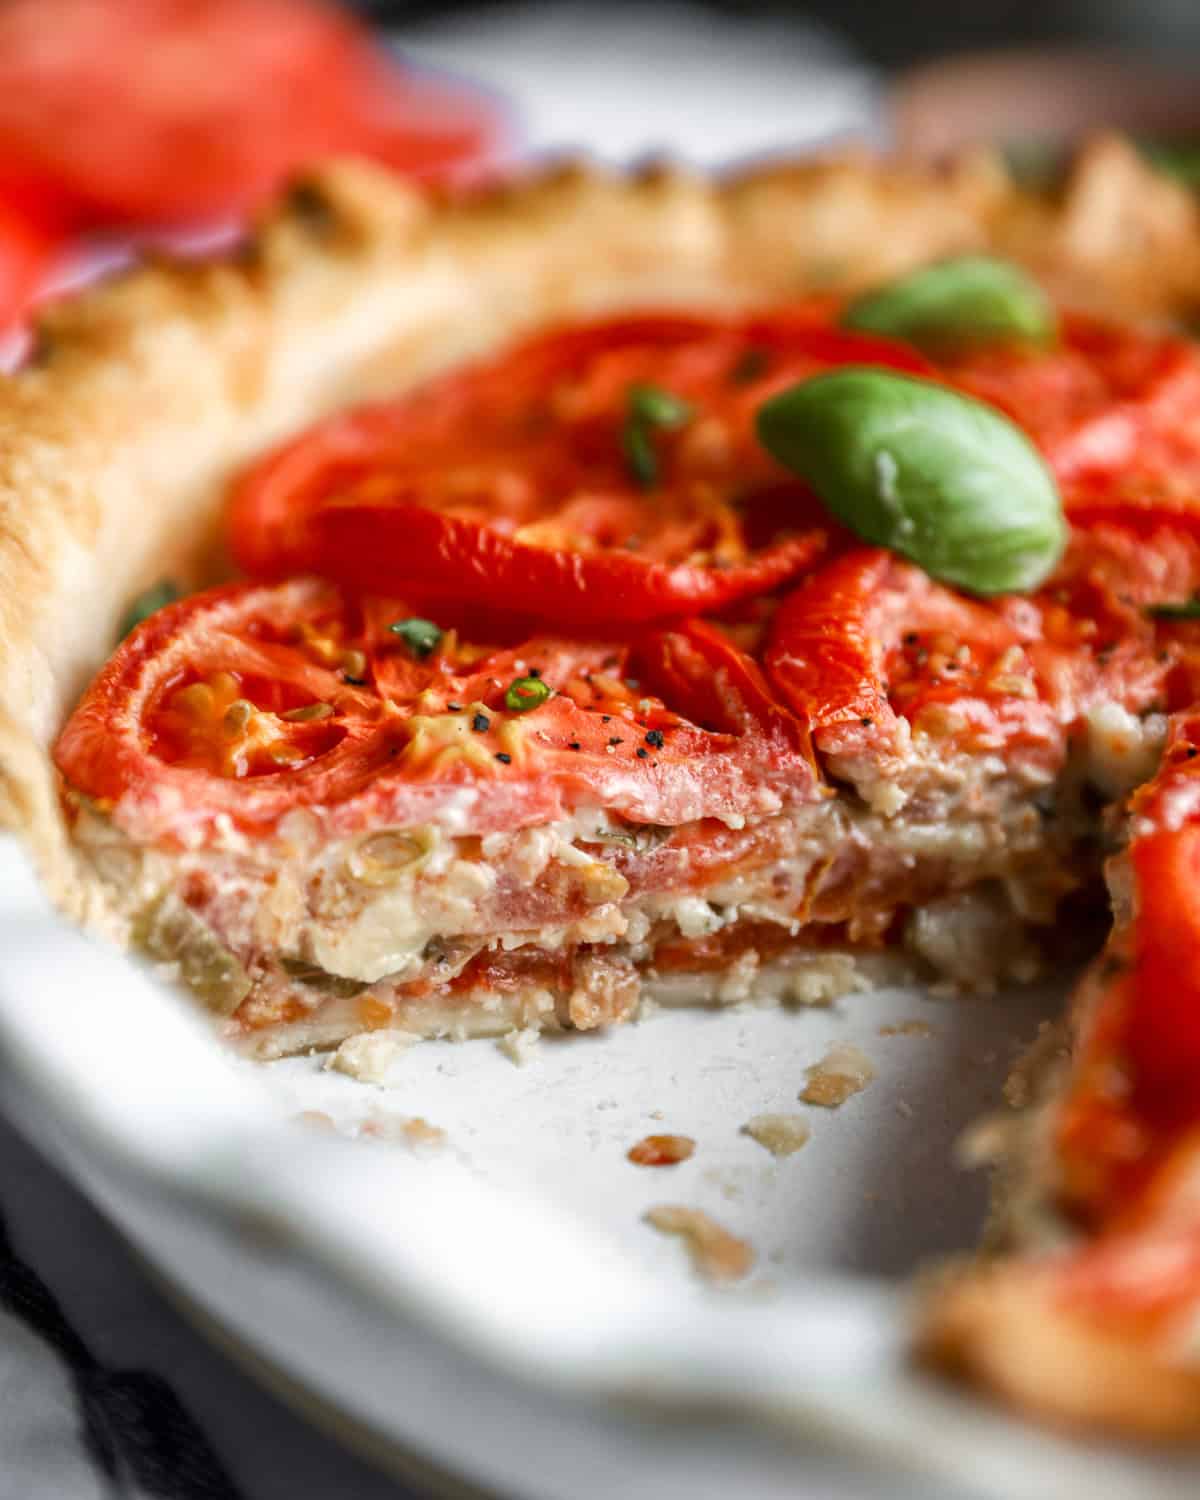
x=841, y=1073
x=780, y=1134
x=716, y=1254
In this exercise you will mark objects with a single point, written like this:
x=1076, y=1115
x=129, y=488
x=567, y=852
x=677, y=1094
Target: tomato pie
x=596, y=592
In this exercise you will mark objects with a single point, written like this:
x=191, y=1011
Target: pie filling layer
x=945, y=865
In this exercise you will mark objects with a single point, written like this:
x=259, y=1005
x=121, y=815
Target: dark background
x=899, y=33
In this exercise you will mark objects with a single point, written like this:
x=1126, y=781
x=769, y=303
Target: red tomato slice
x=241, y=705
x=1132, y=1107
x=173, y=110
x=27, y=249
x=1164, y=1023
x=516, y=481
x=871, y=640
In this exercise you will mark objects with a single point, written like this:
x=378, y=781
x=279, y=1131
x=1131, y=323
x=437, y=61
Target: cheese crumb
x=715, y=1254
x=520, y=1047
x=370, y=1054
x=841, y=1073
x=782, y=1135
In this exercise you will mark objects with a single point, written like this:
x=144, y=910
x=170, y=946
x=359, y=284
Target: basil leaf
x=937, y=476
x=973, y=299
x=147, y=603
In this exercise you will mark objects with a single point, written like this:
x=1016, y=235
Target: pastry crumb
x=985, y=1142
x=843, y=1072
x=661, y=1150
x=370, y=1054
x=907, y=1028
x=715, y=1254
x=780, y=1134
x=413, y=1130
x=521, y=1047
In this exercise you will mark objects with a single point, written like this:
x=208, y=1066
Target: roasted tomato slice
x=871, y=647
x=240, y=706
x=1115, y=410
x=604, y=473
x=150, y=111
x=27, y=248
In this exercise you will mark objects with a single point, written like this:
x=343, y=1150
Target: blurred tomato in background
x=138, y=114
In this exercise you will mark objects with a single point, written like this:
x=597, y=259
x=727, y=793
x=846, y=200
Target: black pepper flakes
x=616, y=740
x=455, y=708
x=606, y=718
x=643, y=753
x=655, y=737
x=1191, y=752
x=504, y=757
x=481, y=723
x=354, y=681
x=574, y=745
x=866, y=723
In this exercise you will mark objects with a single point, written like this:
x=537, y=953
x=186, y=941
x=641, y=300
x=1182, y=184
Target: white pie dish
x=573, y=1337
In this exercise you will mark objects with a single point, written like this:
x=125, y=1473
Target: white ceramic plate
x=496, y=1304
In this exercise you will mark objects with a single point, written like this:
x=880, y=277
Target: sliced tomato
x=515, y=480
x=1164, y=1025
x=244, y=704
x=871, y=640
x=28, y=246
x=1131, y=1111
x=150, y=111
x=1116, y=410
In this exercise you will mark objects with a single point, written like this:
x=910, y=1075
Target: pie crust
x=146, y=392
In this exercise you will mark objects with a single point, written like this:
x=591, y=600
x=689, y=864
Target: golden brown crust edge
x=1001, y=1328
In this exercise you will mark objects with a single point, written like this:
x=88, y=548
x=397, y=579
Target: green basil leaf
x=937, y=476
x=955, y=303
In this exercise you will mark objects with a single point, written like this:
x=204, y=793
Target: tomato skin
x=518, y=467
x=172, y=111
x=1164, y=1025
x=359, y=546
x=28, y=246
x=387, y=749
x=1114, y=410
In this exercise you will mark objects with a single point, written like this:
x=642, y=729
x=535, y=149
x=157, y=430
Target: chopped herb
x=524, y=693
x=749, y=366
x=164, y=592
x=481, y=723
x=504, y=757
x=420, y=636
x=1189, y=609
x=643, y=753
x=651, y=409
x=655, y=737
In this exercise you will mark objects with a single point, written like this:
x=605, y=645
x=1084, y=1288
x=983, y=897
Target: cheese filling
x=953, y=862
